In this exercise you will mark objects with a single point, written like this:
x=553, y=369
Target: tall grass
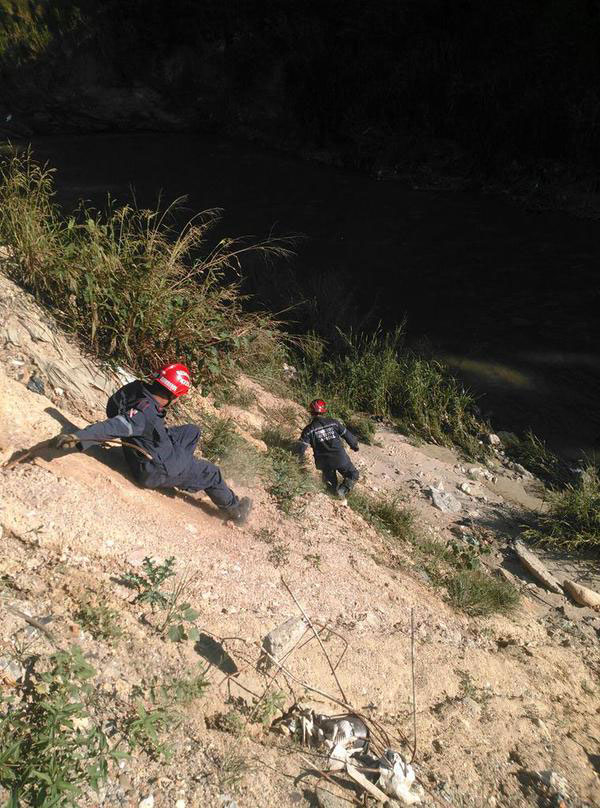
x=457, y=569
x=376, y=374
x=238, y=459
x=134, y=288
x=385, y=515
x=532, y=453
x=572, y=521
x=478, y=594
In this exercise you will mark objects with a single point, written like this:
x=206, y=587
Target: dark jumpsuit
x=323, y=435
x=134, y=415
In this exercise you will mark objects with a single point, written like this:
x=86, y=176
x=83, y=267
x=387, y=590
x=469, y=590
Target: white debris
x=444, y=502
x=124, y=376
x=339, y=755
x=147, y=802
x=396, y=778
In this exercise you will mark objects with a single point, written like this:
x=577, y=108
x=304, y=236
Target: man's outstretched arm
x=121, y=426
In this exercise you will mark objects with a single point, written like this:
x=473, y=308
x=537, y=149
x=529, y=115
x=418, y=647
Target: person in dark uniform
x=324, y=436
x=136, y=413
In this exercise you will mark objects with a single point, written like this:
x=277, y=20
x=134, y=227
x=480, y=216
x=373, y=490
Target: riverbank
x=503, y=291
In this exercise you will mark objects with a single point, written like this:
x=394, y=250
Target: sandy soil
x=497, y=698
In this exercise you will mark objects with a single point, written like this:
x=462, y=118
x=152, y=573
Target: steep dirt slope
x=498, y=698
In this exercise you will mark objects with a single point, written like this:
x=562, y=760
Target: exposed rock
x=502, y=572
x=125, y=781
x=444, y=502
x=581, y=594
x=533, y=565
x=147, y=802
x=493, y=439
x=11, y=668
x=554, y=782
x=543, y=728
x=521, y=470
x=282, y=639
x=471, y=706
x=465, y=488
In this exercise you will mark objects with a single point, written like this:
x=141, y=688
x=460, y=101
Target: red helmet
x=318, y=406
x=176, y=378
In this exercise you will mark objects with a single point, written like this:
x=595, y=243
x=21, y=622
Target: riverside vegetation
x=64, y=728
x=134, y=290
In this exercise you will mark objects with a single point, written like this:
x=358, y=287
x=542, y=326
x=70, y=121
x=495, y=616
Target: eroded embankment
x=497, y=698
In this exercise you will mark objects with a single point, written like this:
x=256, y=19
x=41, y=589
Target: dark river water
x=508, y=297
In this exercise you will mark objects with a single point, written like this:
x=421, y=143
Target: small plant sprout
x=272, y=702
x=279, y=554
x=148, y=583
x=144, y=728
x=100, y=620
x=178, y=616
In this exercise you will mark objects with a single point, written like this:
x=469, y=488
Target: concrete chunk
x=278, y=642
x=582, y=595
x=533, y=565
x=444, y=502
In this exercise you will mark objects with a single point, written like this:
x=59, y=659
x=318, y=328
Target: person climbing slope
x=324, y=435
x=164, y=457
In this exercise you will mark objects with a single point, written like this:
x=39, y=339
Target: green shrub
x=362, y=426
x=235, y=396
x=431, y=404
x=174, y=691
x=454, y=565
x=52, y=745
x=131, y=286
x=478, y=594
x=265, y=708
x=572, y=521
x=277, y=438
x=149, y=581
x=177, y=617
x=288, y=480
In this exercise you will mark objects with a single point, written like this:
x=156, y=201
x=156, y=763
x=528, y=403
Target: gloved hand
x=355, y=448
x=66, y=441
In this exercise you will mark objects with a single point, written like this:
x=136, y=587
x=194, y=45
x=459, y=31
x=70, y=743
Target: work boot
x=240, y=512
x=342, y=491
